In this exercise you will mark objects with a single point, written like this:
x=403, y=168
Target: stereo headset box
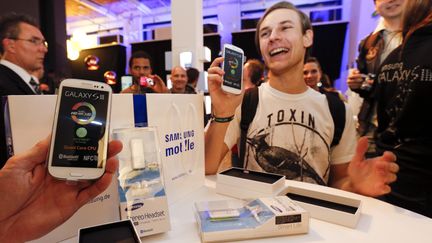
x=179, y=119
x=237, y=219
x=241, y=183
x=141, y=190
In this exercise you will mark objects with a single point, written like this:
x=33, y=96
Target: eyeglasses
x=35, y=41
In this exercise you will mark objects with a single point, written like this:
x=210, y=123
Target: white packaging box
x=141, y=190
x=264, y=217
x=241, y=183
x=325, y=206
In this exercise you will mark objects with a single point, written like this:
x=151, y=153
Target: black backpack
x=249, y=107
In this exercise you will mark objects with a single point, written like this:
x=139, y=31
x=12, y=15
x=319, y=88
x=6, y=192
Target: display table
x=379, y=222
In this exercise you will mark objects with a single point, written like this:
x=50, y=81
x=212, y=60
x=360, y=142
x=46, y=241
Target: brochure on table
x=246, y=219
x=179, y=119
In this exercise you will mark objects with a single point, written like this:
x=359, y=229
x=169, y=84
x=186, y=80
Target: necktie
x=35, y=86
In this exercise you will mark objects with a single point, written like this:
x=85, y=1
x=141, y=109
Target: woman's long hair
x=417, y=14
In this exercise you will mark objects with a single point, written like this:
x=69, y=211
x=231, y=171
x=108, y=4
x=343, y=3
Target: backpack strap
x=248, y=111
x=338, y=112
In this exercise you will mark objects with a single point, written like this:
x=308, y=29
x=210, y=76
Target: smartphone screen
x=233, y=68
x=81, y=128
x=120, y=232
x=126, y=81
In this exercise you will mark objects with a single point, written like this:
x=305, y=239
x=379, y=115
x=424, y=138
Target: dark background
x=328, y=46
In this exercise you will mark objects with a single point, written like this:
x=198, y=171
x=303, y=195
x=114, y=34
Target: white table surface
x=379, y=222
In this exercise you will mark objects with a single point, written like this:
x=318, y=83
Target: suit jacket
x=10, y=84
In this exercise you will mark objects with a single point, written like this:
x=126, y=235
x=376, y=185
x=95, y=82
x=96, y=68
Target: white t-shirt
x=291, y=135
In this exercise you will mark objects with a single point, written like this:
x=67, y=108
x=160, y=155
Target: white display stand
x=180, y=122
x=31, y=119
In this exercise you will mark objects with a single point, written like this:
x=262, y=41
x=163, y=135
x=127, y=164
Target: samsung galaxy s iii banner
x=80, y=128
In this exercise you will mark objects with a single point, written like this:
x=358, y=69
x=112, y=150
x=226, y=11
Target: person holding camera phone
x=372, y=52
x=292, y=129
x=34, y=202
x=140, y=67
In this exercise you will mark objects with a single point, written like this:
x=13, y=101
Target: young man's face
x=389, y=8
x=282, y=42
x=312, y=74
x=140, y=67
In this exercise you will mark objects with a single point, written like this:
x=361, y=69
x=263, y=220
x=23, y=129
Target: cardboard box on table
x=242, y=183
x=179, y=119
x=323, y=205
x=326, y=206
x=236, y=219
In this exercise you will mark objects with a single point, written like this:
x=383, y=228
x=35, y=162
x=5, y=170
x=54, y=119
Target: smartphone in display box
x=116, y=232
x=233, y=68
x=79, y=140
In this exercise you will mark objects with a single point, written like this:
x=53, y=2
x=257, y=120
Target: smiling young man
x=292, y=130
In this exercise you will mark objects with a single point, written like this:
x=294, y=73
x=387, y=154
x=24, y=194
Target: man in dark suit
x=23, y=49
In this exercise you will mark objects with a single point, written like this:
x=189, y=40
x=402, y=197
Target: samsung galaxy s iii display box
x=326, y=206
x=237, y=219
x=241, y=183
x=141, y=189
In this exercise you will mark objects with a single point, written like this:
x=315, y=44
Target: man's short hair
x=304, y=21
x=140, y=54
x=192, y=74
x=256, y=71
x=9, y=26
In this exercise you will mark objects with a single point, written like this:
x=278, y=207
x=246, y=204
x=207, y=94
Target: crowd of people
x=294, y=130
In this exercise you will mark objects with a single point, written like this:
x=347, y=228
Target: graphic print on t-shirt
x=289, y=144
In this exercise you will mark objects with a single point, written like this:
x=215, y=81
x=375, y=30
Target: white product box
x=325, y=206
x=141, y=189
x=241, y=183
x=240, y=219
